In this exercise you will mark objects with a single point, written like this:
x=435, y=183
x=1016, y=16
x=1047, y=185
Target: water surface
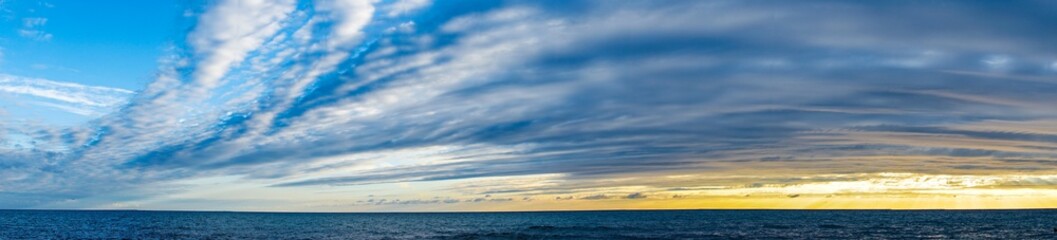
x=711, y=224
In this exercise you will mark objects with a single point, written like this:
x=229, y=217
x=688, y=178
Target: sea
x=698, y=224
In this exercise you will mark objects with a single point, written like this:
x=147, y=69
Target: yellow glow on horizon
x=878, y=191
x=556, y=192
x=819, y=203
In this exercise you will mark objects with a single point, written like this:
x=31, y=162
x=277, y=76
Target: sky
x=420, y=105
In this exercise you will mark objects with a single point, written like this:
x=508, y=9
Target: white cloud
x=173, y=109
x=69, y=108
x=247, y=40
x=34, y=22
x=997, y=62
x=231, y=30
x=350, y=17
x=400, y=7
x=35, y=34
x=71, y=94
x=31, y=29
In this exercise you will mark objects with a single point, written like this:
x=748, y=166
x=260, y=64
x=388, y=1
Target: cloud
x=31, y=29
x=35, y=34
x=595, y=197
x=33, y=22
x=72, y=97
x=622, y=98
x=230, y=31
x=406, y=6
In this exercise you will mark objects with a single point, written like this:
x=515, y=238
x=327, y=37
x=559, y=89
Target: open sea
x=705, y=224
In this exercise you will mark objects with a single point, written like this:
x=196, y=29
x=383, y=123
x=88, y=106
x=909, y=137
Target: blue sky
x=360, y=105
x=117, y=46
x=114, y=46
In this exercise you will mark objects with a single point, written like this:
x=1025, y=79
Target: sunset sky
x=420, y=105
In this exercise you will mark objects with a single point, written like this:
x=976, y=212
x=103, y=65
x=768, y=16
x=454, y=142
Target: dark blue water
x=1019, y=224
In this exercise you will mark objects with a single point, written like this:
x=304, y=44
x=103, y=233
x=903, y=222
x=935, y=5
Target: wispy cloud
x=31, y=28
x=72, y=97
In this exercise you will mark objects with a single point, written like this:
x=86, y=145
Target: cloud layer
x=598, y=99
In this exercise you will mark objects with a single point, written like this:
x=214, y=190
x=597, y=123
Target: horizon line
x=543, y=211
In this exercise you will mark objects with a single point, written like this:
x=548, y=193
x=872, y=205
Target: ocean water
x=1014, y=224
